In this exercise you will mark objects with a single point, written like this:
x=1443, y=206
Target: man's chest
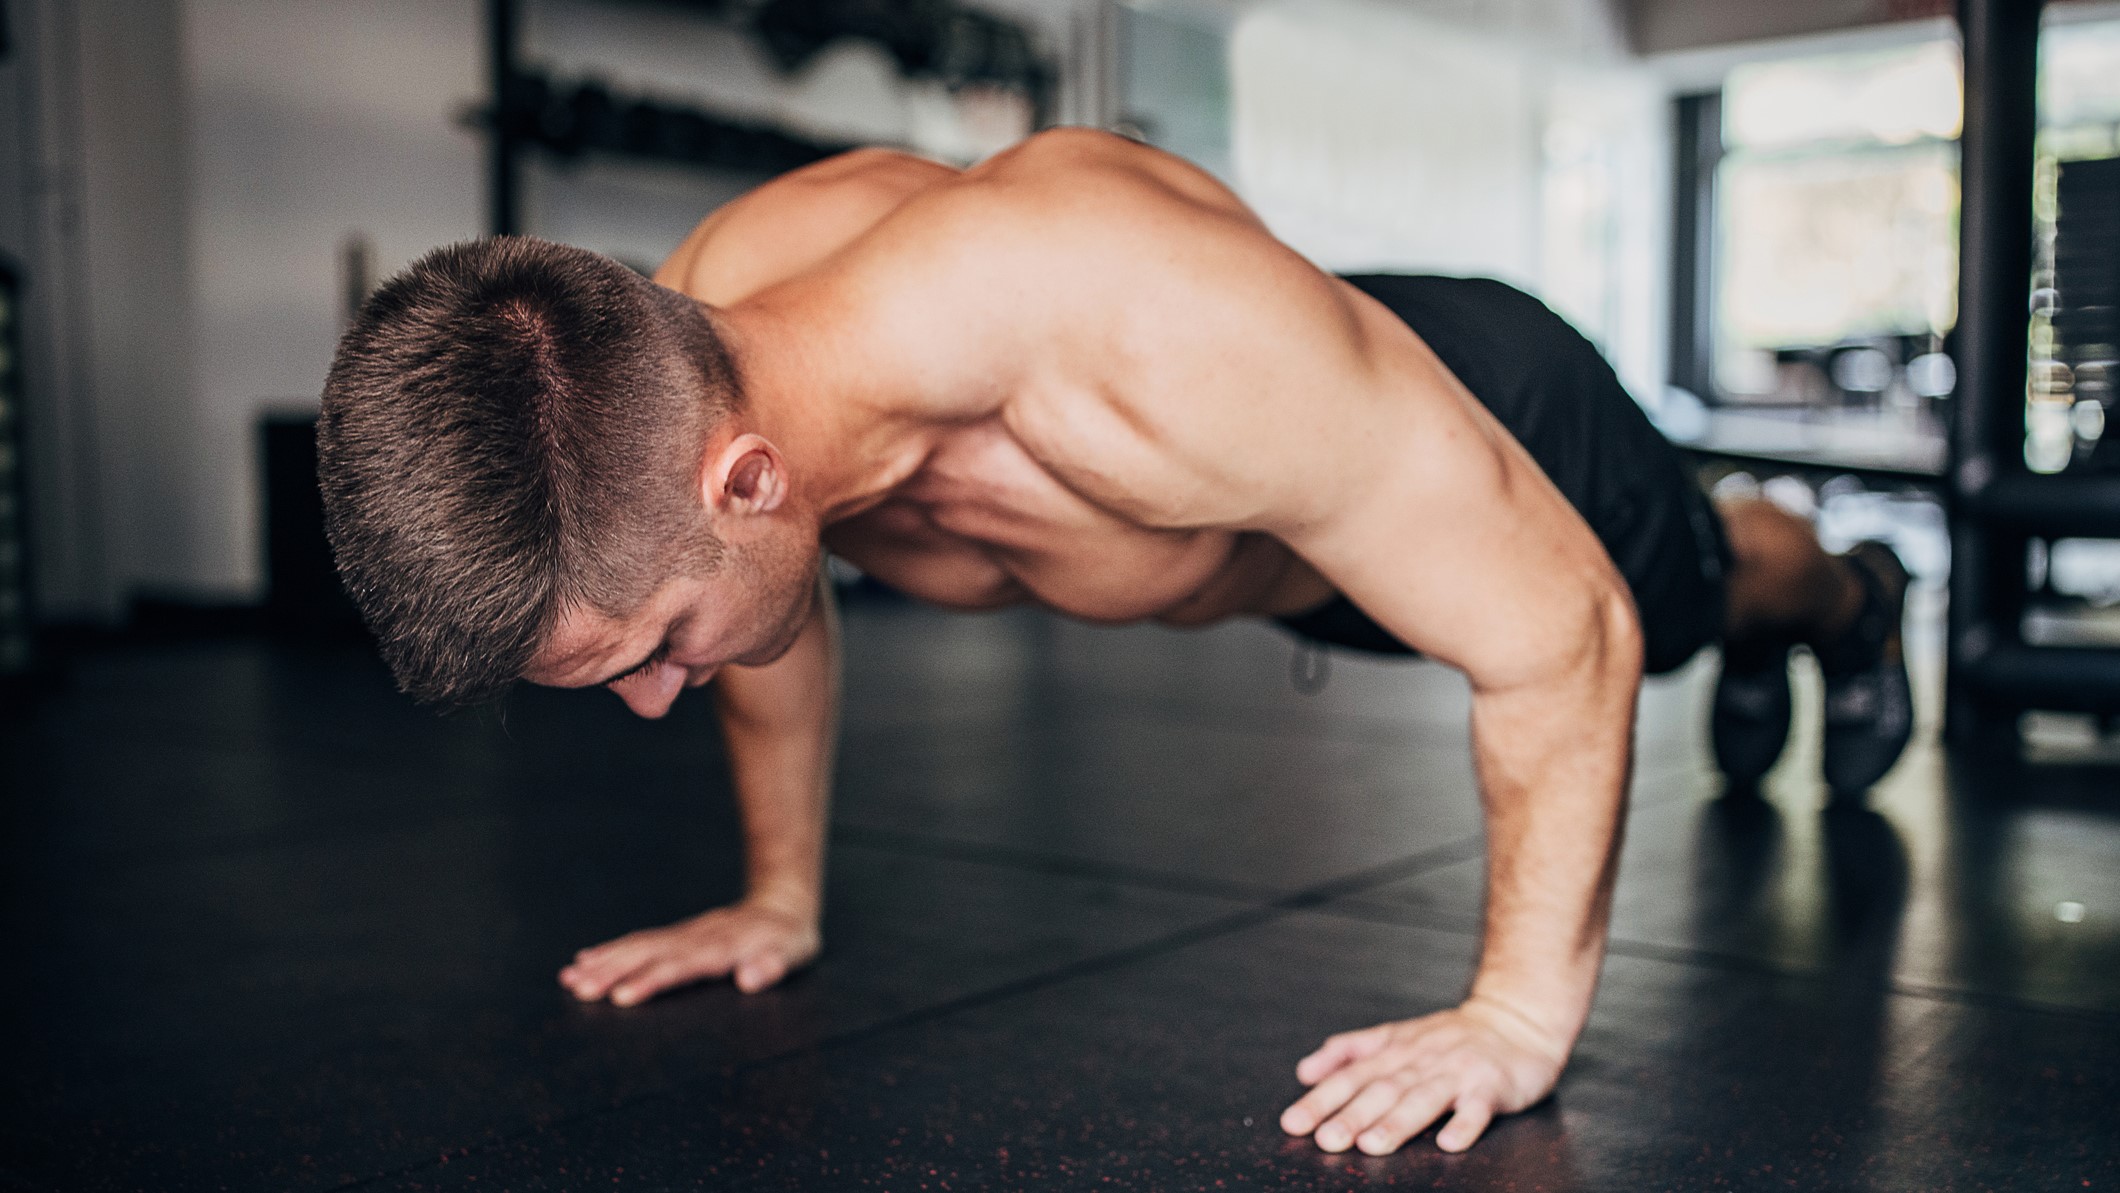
x=984, y=523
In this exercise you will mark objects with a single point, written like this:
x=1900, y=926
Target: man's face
x=749, y=612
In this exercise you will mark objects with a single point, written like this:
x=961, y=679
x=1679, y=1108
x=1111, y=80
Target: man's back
x=1130, y=383
x=981, y=524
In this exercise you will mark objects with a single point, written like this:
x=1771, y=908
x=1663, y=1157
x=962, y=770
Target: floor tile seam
x=1399, y=869
x=1238, y=920
x=1711, y=959
x=1406, y=916
x=1173, y=942
x=1448, y=853
x=910, y=843
x=1458, y=924
x=1987, y=1000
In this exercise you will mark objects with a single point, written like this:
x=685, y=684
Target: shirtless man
x=1080, y=374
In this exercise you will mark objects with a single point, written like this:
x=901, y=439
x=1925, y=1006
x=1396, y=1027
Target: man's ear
x=746, y=476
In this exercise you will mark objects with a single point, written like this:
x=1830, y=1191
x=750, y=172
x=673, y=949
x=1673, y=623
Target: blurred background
x=279, y=928
x=1752, y=209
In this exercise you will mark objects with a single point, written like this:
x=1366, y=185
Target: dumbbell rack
x=1997, y=505
x=567, y=118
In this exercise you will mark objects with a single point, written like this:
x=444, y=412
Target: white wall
x=1514, y=139
x=181, y=173
x=98, y=164
x=1370, y=138
x=138, y=302
x=311, y=120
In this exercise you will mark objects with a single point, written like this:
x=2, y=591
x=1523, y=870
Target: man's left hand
x=1379, y=1087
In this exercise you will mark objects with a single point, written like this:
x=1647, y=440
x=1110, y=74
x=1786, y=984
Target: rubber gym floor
x=1092, y=894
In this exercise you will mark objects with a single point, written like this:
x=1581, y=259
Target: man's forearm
x=779, y=723
x=1553, y=760
x=1552, y=749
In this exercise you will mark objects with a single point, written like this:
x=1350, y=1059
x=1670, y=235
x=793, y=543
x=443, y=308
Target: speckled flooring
x=1093, y=892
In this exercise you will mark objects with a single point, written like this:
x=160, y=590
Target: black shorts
x=1553, y=391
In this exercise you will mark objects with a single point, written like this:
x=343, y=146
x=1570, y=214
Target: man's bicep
x=1230, y=373
x=1470, y=555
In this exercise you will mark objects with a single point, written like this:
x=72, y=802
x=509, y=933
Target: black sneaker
x=1869, y=701
x=1751, y=719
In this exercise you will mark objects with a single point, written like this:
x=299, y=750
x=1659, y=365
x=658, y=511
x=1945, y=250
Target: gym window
x=1816, y=263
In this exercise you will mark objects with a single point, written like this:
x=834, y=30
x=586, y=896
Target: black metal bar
x=2067, y=679
x=17, y=612
x=1699, y=146
x=2001, y=39
x=503, y=156
x=1820, y=469
x=2070, y=504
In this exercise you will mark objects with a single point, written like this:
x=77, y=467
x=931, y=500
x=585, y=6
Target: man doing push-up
x=1080, y=374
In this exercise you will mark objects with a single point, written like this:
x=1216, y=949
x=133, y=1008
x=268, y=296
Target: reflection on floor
x=1094, y=891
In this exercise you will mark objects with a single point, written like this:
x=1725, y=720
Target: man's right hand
x=756, y=941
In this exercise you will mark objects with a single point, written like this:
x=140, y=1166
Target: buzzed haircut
x=513, y=428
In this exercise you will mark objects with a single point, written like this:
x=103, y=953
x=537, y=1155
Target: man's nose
x=650, y=695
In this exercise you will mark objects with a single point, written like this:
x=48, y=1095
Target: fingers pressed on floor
x=594, y=980
x=1466, y=1126
x=1367, y=1107
x=1421, y=1106
x=617, y=957
x=645, y=983
x=592, y=985
x=758, y=973
x=669, y=971
x=1323, y=1099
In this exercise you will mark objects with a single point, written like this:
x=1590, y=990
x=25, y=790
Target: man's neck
x=831, y=421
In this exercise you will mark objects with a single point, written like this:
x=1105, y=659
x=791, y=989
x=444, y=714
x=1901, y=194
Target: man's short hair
x=512, y=428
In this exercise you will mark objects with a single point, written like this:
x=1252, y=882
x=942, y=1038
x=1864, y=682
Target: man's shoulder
x=1064, y=203
x=1068, y=144
x=795, y=221
x=1090, y=168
